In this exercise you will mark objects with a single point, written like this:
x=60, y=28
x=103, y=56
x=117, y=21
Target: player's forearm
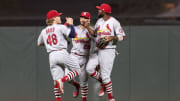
x=91, y=31
x=112, y=38
x=115, y=38
x=120, y=38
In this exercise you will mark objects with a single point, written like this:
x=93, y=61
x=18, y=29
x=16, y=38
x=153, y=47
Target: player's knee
x=79, y=71
x=106, y=79
x=90, y=70
x=83, y=84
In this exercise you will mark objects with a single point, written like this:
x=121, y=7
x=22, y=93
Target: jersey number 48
x=52, y=39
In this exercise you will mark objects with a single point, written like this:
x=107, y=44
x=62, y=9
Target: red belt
x=56, y=50
x=79, y=54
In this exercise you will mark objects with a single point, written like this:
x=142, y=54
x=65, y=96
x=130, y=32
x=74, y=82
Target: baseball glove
x=102, y=43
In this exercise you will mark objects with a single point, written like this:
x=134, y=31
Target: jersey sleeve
x=40, y=38
x=95, y=26
x=119, y=30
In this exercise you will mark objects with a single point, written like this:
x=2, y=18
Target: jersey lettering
x=50, y=30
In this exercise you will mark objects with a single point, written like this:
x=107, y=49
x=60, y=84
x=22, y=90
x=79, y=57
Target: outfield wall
x=147, y=69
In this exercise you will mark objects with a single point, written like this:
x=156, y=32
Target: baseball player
x=80, y=53
x=108, y=28
x=54, y=38
x=93, y=66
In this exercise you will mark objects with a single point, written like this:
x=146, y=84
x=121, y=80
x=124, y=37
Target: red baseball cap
x=104, y=7
x=85, y=14
x=52, y=13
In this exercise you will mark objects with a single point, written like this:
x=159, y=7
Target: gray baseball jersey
x=110, y=27
x=54, y=37
x=81, y=43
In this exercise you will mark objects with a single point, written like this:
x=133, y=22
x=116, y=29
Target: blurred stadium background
x=129, y=12
x=147, y=68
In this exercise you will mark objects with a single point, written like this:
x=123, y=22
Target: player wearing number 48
x=54, y=38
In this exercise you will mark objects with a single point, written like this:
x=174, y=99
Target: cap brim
x=98, y=7
x=60, y=14
x=84, y=17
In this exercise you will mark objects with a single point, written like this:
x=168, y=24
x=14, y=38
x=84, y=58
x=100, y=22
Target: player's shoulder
x=99, y=20
x=59, y=25
x=77, y=27
x=114, y=19
x=43, y=30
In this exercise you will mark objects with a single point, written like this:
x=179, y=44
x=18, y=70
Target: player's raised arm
x=69, y=31
x=91, y=30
